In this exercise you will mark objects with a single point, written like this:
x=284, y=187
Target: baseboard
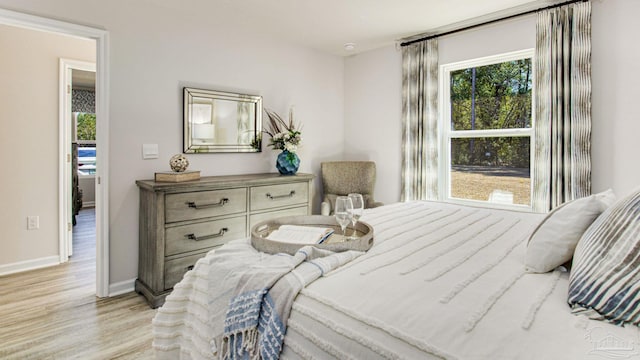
x=122, y=287
x=27, y=265
x=88, y=204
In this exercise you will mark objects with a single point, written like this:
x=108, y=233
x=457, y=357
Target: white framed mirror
x=217, y=121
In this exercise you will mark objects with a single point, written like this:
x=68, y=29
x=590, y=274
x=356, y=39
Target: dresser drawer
x=175, y=269
x=171, y=212
x=272, y=196
x=256, y=218
x=202, y=204
x=183, y=238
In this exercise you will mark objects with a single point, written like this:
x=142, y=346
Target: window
x=85, y=136
x=85, y=128
x=487, y=129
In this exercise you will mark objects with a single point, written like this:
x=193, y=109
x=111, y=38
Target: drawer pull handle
x=272, y=197
x=193, y=205
x=190, y=267
x=206, y=237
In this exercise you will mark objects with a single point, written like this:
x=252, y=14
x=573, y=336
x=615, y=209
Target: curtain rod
x=429, y=37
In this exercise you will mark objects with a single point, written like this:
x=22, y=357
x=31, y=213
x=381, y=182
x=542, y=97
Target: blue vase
x=287, y=163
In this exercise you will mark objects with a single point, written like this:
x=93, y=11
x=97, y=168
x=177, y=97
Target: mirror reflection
x=216, y=121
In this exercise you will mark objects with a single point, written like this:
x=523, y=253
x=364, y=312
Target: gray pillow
x=605, y=279
x=554, y=240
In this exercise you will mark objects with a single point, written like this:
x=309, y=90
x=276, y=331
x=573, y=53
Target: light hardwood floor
x=53, y=313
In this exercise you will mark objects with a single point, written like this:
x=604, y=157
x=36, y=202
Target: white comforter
x=441, y=281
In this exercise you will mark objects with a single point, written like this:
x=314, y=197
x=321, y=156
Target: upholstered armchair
x=340, y=178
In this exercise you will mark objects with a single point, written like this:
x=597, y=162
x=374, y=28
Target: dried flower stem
x=284, y=136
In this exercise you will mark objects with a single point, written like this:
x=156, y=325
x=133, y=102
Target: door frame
x=101, y=37
x=65, y=125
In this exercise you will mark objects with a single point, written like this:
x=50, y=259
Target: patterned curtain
x=563, y=106
x=420, y=121
x=83, y=101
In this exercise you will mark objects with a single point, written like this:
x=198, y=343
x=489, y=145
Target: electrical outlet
x=33, y=222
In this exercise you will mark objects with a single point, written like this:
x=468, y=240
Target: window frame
x=447, y=133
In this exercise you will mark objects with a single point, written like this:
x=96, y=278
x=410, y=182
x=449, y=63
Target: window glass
x=495, y=96
x=86, y=127
x=495, y=169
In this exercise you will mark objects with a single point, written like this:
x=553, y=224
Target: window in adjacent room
x=85, y=136
x=487, y=129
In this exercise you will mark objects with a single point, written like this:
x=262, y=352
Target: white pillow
x=554, y=240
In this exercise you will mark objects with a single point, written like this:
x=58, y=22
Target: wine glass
x=356, y=212
x=343, y=212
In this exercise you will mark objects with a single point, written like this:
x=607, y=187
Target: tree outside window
x=487, y=125
x=86, y=127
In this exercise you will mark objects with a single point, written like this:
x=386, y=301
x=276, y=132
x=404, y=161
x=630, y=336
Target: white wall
x=615, y=111
x=373, y=79
x=154, y=52
x=29, y=64
x=373, y=85
x=87, y=184
x=499, y=38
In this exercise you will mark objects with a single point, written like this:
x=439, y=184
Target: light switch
x=33, y=222
x=149, y=151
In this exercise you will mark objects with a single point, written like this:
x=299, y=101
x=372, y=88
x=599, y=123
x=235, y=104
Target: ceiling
x=327, y=25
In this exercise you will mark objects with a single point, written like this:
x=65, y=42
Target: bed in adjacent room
x=442, y=281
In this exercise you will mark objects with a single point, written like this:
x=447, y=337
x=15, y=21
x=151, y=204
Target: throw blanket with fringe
x=255, y=322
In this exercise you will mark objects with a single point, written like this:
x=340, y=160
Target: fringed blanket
x=255, y=322
x=241, y=298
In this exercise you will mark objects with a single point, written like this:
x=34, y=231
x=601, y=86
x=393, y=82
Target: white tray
x=335, y=242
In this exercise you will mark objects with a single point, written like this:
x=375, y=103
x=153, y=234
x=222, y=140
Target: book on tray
x=298, y=234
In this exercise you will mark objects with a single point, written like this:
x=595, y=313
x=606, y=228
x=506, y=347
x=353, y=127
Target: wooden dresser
x=181, y=222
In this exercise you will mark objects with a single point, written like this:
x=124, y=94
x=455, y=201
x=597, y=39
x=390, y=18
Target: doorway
x=78, y=85
x=17, y=19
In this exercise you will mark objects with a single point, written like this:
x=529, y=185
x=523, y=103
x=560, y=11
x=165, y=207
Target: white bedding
x=441, y=281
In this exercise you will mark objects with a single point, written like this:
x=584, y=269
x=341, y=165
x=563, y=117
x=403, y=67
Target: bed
x=442, y=281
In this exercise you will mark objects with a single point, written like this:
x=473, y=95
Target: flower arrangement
x=284, y=135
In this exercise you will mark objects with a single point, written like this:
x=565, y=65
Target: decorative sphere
x=179, y=163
